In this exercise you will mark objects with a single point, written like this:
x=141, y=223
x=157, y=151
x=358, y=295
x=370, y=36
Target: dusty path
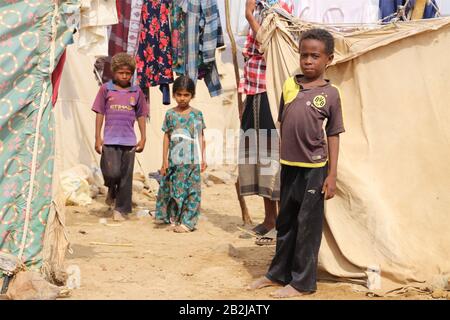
x=210, y=263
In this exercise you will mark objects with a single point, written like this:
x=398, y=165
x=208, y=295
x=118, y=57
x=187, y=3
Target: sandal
x=265, y=241
x=258, y=231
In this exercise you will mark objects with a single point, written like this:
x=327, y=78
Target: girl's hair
x=184, y=83
x=123, y=60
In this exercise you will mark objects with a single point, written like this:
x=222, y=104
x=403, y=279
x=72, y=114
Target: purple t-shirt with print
x=121, y=108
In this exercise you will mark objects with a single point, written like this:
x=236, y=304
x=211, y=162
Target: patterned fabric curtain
x=33, y=36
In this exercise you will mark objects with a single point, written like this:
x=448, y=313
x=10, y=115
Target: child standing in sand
x=178, y=203
x=308, y=159
x=119, y=104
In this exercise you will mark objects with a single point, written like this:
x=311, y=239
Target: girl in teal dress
x=179, y=195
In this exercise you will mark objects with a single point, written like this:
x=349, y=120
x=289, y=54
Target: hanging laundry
x=203, y=35
x=154, y=56
x=178, y=18
x=239, y=24
x=95, y=17
x=339, y=11
x=388, y=8
x=134, y=26
x=444, y=7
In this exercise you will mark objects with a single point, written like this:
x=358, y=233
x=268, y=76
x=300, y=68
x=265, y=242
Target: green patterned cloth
x=32, y=33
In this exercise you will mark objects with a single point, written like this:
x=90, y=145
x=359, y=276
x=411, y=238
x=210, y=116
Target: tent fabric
x=38, y=35
x=391, y=208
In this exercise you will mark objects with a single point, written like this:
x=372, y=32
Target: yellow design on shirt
x=290, y=90
x=319, y=101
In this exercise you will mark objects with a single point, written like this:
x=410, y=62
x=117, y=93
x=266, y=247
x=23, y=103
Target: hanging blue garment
x=389, y=7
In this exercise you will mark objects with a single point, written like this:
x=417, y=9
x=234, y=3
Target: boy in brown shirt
x=308, y=167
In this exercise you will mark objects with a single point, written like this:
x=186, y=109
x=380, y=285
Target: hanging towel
x=203, y=35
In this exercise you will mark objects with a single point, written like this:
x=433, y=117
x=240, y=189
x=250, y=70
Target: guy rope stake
x=244, y=210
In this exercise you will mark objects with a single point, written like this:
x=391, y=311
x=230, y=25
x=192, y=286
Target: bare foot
x=262, y=283
x=117, y=216
x=171, y=227
x=181, y=229
x=288, y=292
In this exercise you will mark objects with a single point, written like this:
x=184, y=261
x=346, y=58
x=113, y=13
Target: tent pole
x=419, y=9
x=244, y=210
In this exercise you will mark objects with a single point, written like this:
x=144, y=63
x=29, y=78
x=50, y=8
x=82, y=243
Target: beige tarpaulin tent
x=393, y=201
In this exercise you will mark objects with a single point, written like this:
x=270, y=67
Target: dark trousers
x=299, y=227
x=117, y=164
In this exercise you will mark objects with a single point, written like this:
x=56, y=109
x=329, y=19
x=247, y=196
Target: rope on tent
x=42, y=105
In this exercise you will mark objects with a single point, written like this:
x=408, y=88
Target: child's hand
x=203, y=166
x=164, y=168
x=98, y=145
x=329, y=187
x=140, y=146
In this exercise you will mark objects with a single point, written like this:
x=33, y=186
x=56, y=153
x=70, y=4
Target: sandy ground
x=210, y=263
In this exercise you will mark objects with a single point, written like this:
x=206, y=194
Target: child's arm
x=329, y=186
x=165, y=162
x=203, y=144
x=98, y=132
x=141, y=144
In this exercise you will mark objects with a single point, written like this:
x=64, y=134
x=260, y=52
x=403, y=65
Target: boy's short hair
x=320, y=35
x=122, y=59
